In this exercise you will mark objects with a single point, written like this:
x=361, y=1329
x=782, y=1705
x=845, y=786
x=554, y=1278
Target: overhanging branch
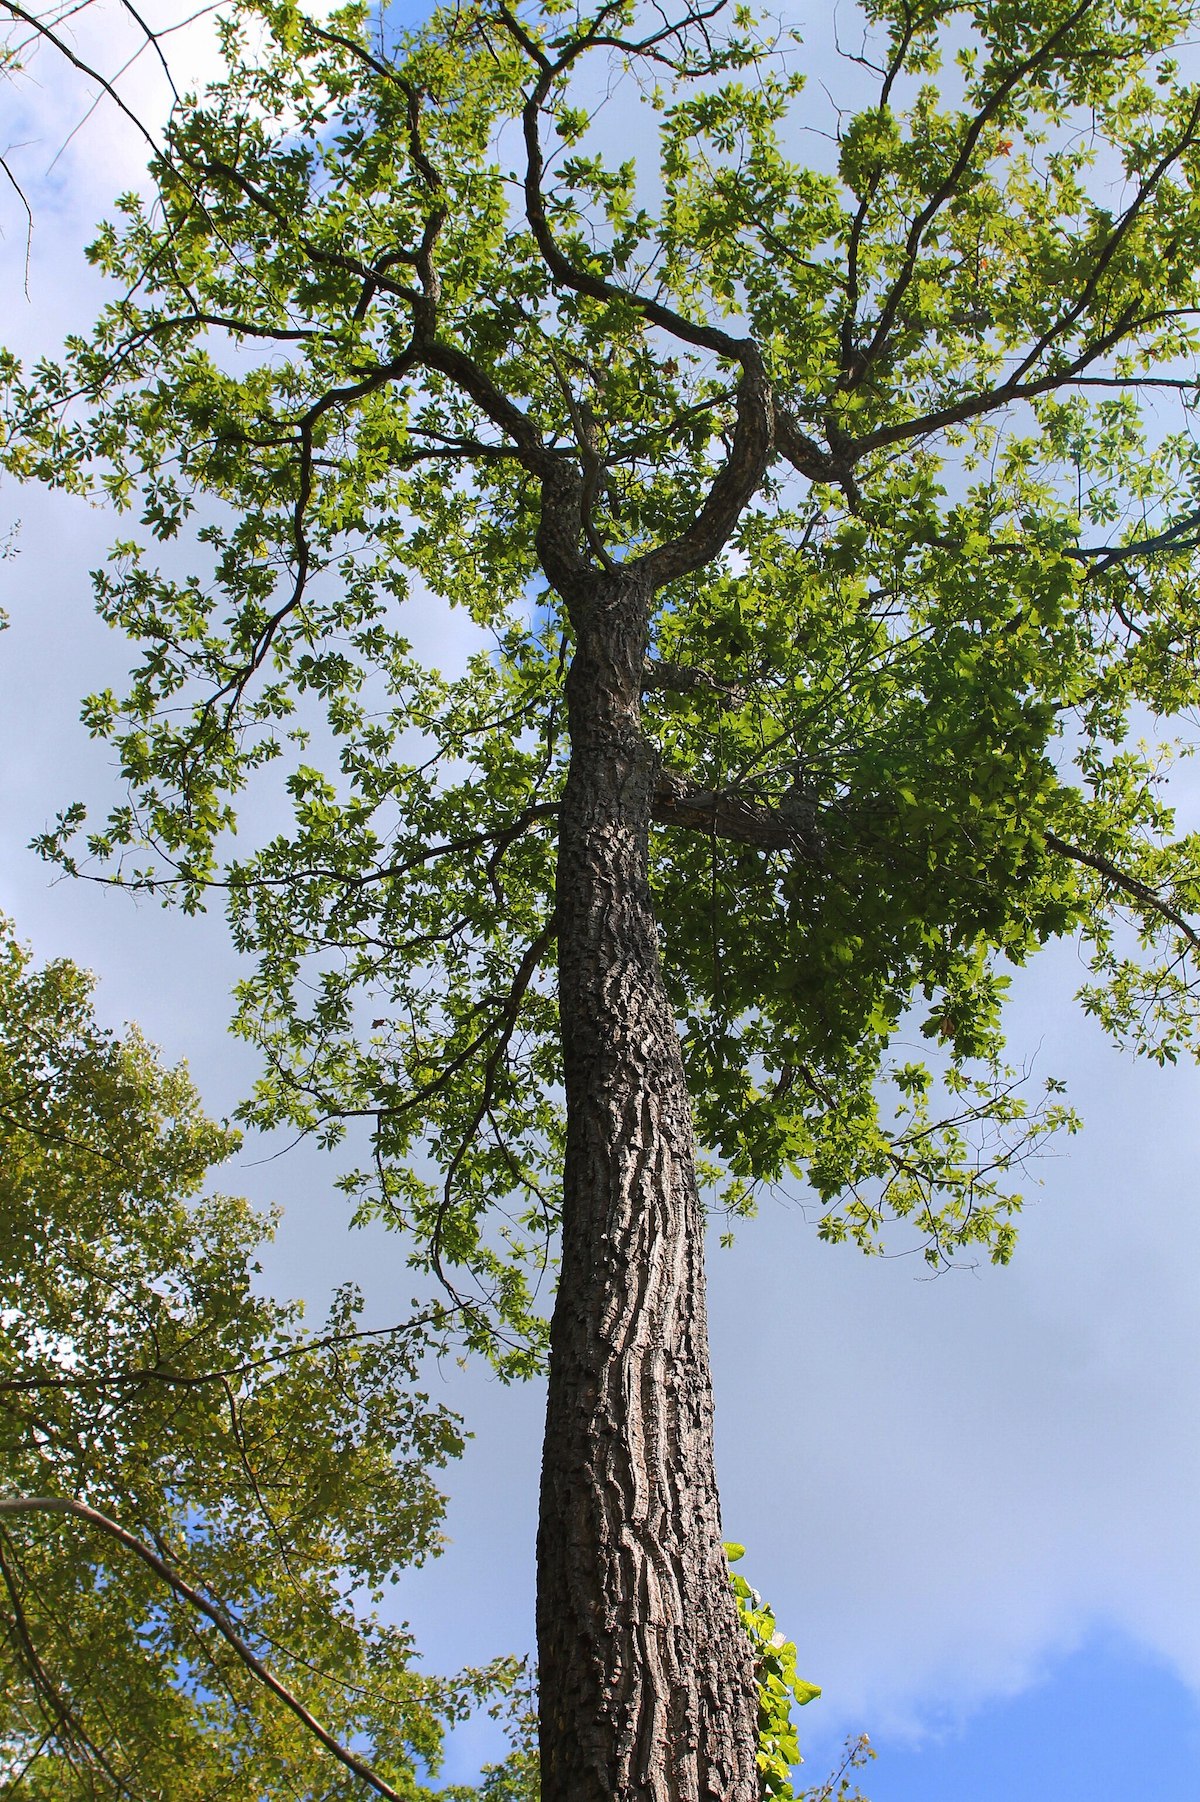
x=1133, y=886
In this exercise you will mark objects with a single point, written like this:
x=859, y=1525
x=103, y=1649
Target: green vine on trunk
x=778, y=1686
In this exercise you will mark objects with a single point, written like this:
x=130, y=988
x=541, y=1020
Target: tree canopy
x=372, y=312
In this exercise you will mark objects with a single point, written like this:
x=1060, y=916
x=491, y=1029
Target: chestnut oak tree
x=820, y=483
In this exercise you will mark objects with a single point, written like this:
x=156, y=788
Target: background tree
x=200, y=1498
x=825, y=555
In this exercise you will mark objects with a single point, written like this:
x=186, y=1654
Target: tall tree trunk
x=647, y=1682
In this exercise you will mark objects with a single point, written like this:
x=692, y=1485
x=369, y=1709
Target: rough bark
x=791, y=824
x=647, y=1683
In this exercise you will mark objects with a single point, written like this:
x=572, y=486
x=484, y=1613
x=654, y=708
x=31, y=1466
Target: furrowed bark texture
x=646, y=1674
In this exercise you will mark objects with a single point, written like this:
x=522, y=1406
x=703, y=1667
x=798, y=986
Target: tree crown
x=539, y=297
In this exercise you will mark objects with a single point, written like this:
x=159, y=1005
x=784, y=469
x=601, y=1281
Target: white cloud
x=944, y=1482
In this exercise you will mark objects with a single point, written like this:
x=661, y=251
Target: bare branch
x=681, y=678
x=808, y=459
x=525, y=973
x=176, y=1379
x=732, y=488
x=42, y=29
x=1106, y=556
x=478, y=386
x=23, y=198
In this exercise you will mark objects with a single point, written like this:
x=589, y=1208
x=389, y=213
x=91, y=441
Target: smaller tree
x=198, y=1494
x=840, y=1786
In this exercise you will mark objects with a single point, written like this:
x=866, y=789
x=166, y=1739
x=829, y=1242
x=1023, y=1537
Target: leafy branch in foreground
x=180, y=1455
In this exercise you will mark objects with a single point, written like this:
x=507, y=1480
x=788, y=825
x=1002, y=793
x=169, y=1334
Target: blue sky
x=1106, y=1723
x=973, y=1502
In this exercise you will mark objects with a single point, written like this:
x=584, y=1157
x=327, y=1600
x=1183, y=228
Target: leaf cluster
x=778, y=1686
